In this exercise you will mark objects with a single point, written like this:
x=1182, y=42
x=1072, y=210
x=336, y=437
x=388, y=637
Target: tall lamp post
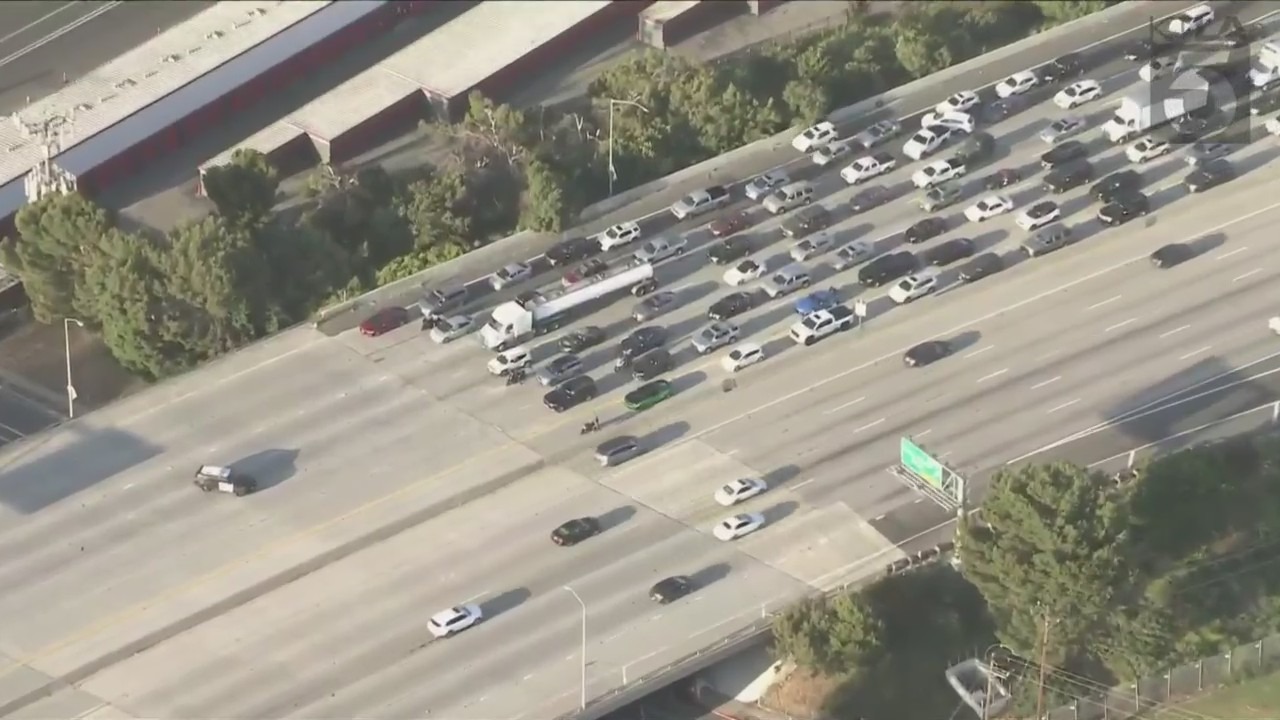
x=612, y=104
x=583, y=700
x=71, y=388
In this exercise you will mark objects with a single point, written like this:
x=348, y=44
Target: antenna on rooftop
x=51, y=134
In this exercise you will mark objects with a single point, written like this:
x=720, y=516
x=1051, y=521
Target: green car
x=648, y=395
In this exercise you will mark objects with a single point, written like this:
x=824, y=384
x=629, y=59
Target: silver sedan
x=1062, y=129
x=654, y=305
x=715, y=336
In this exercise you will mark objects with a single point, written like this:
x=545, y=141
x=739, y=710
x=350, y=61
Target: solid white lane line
x=1226, y=255
x=1175, y=331
x=1063, y=406
x=797, y=486
x=1108, y=301
x=1050, y=381
x=838, y=408
x=869, y=425
x=979, y=351
x=1193, y=353
x=1251, y=273
x=993, y=375
x=1121, y=324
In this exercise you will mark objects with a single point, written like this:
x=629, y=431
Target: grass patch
x=1256, y=699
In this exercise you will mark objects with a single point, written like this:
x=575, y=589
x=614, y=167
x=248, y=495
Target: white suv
x=914, y=286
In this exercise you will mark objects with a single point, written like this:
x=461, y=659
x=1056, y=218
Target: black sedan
x=926, y=353
x=1210, y=175
x=1064, y=68
x=575, y=531
x=869, y=198
x=1066, y=178
x=887, y=268
x=723, y=253
x=640, y=341
x=1002, y=179
x=1064, y=153
x=981, y=266
x=652, y=364
x=1124, y=208
x=1172, y=254
x=571, y=251
x=926, y=229
x=948, y=252
x=1116, y=185
x=581, y=339
x=571, y=393
x=668, y=590
x=731, y=305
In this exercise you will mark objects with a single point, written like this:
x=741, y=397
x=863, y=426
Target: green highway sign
x=920, y=462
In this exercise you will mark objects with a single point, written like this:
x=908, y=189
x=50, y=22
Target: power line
x=51, y=134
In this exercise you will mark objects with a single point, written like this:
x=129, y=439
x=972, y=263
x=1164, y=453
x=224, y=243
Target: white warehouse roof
x=150, y=72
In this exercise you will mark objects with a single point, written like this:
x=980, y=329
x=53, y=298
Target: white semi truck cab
x=1266, y=66
x=514, y=322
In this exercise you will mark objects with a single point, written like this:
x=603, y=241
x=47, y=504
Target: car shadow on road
x=710, y=575
x=756, y=324
x=780, y=511
x=780, y=476
x=679, y=333
x=984, y=242
x=664, y=435
x=269, y=467
x=505, y=602
x=1207, y=243
x=775, y=347
x=616, y=517
x=965, y=340
x=688, y=381
x=1077, y=204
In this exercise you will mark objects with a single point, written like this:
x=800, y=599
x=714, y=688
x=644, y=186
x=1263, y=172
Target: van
x=617, y=451
x=789, y=197
x=1191, y=21
x=1053, y=237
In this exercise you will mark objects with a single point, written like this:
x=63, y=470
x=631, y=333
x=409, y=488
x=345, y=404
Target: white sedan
x=1039, y=215
x=451, y=328
x=740, y=491
x=988, y=207
x=511, y=275
x=738, y=526
x=937, y=173
x=744, y=272
x=960, y=102
x=914, y=286
x=815, y=137
x=760, y=187
x=743, y=356
x=1017, y=84
x=1077, y=94
x=1148, y=148
x=619, y=235
x=454, y=620
x=959, y=121
x=831, y=152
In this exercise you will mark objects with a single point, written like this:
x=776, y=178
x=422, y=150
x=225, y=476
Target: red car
x=384, y=321
x=588, y=270
x=727, y=226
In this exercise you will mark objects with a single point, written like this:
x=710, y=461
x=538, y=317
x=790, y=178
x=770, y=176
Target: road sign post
x=924, y=473
x=860, y=311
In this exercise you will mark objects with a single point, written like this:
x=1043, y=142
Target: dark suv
x=807, y=220
x=886, y=268
x=571, y=393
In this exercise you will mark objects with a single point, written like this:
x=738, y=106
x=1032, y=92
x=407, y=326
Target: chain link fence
x=1176, y=685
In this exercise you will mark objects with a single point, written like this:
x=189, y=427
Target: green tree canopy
x=54, y=234
x=834, y=636
x=243, y=190
x=544, y=208
x=1051, y=543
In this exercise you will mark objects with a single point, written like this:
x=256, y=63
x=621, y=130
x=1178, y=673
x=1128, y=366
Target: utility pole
x=50, y=133
x=1044, y=667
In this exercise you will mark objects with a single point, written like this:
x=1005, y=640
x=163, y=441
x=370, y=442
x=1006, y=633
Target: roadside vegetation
x=1127, y=578
x=165, y=304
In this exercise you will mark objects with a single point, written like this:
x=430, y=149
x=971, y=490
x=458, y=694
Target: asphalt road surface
x=399, y=479
x=40, y=41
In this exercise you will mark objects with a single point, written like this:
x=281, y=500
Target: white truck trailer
x=514, y=322
x=1139, y=113
x=1266, y=66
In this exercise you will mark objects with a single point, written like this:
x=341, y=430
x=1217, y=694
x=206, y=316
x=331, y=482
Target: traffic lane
x=234, y=535
x=21, y=416
x=352, y=644
x=47, y=40
x=653, y=208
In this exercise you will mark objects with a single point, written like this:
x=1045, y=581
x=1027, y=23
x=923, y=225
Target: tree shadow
x=95, y=455
x=269, y=467
x=710, y=575
x=664, y=435
x=780, y=511
x=611, y=519
x=505, y=602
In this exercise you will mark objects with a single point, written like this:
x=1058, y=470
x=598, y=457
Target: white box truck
x=514, y=322
x=1266, y=65
x=1139, y=113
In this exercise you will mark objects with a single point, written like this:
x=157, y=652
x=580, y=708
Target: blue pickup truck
x=817, y=300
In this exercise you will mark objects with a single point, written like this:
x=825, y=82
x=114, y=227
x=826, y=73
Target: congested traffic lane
x=1105, y=47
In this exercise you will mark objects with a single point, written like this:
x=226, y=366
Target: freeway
x=42, y=41
x=399, y=479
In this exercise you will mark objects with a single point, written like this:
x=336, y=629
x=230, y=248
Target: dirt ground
x=801, y=695
x=37, y=354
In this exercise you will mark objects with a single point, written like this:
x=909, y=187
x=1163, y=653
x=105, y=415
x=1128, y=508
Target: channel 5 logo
x=1205, y=70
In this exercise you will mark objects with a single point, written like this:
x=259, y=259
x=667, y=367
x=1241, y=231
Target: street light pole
x=71, y=388
x=612, y=104
x=583, y=700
